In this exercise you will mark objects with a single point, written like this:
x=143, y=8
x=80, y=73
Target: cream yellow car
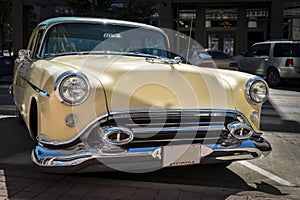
x=100, y=94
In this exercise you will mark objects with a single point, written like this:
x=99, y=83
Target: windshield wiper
x=140, y=54
x=164, y=60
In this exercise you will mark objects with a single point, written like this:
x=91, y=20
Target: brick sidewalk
x=34, y=185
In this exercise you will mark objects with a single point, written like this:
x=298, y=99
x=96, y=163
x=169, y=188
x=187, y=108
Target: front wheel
x=273, y=77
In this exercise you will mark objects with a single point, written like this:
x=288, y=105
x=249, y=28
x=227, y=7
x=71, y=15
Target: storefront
x=230, y=26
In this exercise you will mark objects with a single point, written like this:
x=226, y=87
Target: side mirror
x=24, y=53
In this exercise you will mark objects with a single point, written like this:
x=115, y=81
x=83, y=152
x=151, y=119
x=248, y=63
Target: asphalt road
x=276, y=176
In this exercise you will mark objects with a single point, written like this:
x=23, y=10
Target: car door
x=261, y=59
x=246, y=59
x=256, y=59
x=23, y=71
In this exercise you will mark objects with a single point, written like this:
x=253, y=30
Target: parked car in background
x=275, y=60
x=223, y=60
x=98, y=93
x=6, y=65
x=211, y=58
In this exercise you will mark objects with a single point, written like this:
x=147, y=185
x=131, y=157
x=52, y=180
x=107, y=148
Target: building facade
x=228, y=25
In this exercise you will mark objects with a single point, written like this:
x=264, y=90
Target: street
x=274, y=177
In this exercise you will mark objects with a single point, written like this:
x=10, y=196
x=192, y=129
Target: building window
x=186, y=21
x=258, y=13
x=220, y=17
x=187, y=15
x=61, y=11
x=257, y=17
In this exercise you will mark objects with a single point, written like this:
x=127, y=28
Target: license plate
x=181, y=155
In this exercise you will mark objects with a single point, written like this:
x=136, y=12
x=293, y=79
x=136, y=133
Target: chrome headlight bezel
x=257, y=91
x=63, y=78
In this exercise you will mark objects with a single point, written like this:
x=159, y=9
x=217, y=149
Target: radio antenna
x=189, y=42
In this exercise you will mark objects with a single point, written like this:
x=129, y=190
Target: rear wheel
x=273, y=77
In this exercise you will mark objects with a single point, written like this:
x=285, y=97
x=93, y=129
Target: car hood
x=131, y=83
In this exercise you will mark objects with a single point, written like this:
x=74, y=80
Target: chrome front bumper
x=139, y=141
x=82, y=159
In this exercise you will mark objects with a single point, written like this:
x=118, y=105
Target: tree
x=5, y=22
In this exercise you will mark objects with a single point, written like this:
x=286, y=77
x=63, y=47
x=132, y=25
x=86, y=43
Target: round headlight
x=257, y=91
x=72, y=88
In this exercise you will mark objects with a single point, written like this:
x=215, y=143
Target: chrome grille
x=180, y=126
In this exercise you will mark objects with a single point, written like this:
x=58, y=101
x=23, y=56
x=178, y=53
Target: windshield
x=104, y=38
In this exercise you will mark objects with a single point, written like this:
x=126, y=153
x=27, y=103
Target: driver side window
x=252, y=51
x=263, y=50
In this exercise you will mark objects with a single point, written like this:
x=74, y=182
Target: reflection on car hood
x=133, y=83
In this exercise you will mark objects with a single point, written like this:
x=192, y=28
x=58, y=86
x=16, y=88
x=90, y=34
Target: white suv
x=274, y=60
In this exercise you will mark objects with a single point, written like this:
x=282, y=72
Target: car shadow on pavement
x=210, y=176
x=14, y=137
x=273, y=122
x=290, y=85
x=271, y=119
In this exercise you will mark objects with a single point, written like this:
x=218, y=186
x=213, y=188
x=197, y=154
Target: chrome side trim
x=35, y=88
x=10, y=90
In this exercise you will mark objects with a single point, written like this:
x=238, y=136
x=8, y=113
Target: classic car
x=100, y=94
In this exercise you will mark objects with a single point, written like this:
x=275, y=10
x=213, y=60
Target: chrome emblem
x=118, y=136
